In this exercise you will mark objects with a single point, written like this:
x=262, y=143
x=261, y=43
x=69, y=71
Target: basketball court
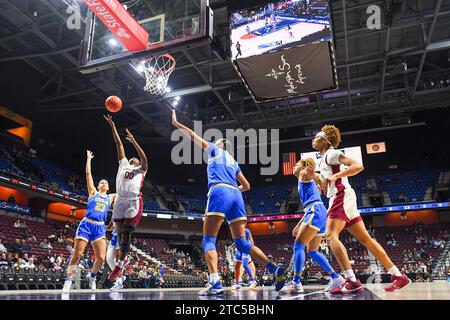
x=439, y=290
x=296, y=63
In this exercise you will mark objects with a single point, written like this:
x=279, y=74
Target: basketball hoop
x=157, y=71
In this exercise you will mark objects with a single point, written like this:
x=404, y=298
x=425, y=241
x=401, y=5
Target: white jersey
x=129, y=180
x=329, y=165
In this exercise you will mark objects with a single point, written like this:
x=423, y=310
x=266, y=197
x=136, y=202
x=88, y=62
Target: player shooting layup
x=128, y=205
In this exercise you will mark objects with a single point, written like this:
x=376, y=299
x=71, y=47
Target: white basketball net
x=157, y=71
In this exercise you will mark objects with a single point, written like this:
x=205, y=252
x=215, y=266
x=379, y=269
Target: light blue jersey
x=308, y=192
x=222, y=168
x=224, y=197
x=98, y=207
x=92, y=227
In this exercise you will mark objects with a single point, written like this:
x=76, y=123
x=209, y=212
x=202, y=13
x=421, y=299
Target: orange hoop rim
x=168, y=56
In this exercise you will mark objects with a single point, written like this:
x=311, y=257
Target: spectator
x=143, y=275
x=69, y=249
x=18, y=264
x=30, y=264
x=52, y=238
x=4, y=261
x=31, y=238
x=17, y=224
x=16, y=247
x=45, y=245
x=26, y=247
x=2, y=247
x=12, y=198
x=57, y=265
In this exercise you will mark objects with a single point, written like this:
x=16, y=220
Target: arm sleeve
x=333, y=157
x=238, y=170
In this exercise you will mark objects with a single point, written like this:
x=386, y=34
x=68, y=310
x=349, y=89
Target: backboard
x=172, y=25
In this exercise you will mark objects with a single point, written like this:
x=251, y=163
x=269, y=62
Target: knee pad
x=243, y=245
x=208, y=243
x=298, y=246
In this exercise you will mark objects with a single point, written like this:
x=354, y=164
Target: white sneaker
x=118, y=285
x=334, y=283
x=253, y=284
x=67, y=286
x=92, y=282
x=292, y=288
x=236, y=286
x=212, y=289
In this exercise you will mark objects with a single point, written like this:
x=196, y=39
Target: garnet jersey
x=129, y=180
x=329, y=165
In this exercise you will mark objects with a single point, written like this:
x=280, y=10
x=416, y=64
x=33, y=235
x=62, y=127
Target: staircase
x=428, y=194
x=386, y=198
x=443, y=263
x=365, y=200
x=248, y=208
x=144, y=255
x=442, y=187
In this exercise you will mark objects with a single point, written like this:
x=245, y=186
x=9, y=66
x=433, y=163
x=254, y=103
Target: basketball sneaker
x=67, y=286
x=292, y=288
x=253, y=284
x=398, y=283
x=92, y=281
x=279, y=278
x=334, y=283
x=236, y=286
x=212, y=289
x=118, y=270
x=118, y=285
x=348, y=287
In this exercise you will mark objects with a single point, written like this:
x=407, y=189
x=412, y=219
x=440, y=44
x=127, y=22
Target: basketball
x=113, y=104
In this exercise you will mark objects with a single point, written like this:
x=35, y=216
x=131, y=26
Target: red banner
x=119, y=21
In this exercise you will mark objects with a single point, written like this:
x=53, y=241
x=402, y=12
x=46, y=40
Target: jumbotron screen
x=352, y=152
x=277, y=24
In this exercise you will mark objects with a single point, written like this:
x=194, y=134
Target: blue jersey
x=97, y=208
x=222, y=168
x=308, y=192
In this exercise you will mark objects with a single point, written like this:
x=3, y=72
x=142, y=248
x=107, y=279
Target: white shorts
x=343, y=206
x=128, y=211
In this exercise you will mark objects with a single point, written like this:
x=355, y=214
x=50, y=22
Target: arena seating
x=16, y=159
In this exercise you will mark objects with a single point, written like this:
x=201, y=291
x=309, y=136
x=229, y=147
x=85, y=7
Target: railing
x=439, y=271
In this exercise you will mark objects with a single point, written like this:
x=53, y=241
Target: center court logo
x=258, y=147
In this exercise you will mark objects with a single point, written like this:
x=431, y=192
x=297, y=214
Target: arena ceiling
x=373, y=79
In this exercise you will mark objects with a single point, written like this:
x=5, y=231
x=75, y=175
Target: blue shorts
x=90, y=230
x=226, y=201
x=114, y=242
x=239, y=256
x=316, y=218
